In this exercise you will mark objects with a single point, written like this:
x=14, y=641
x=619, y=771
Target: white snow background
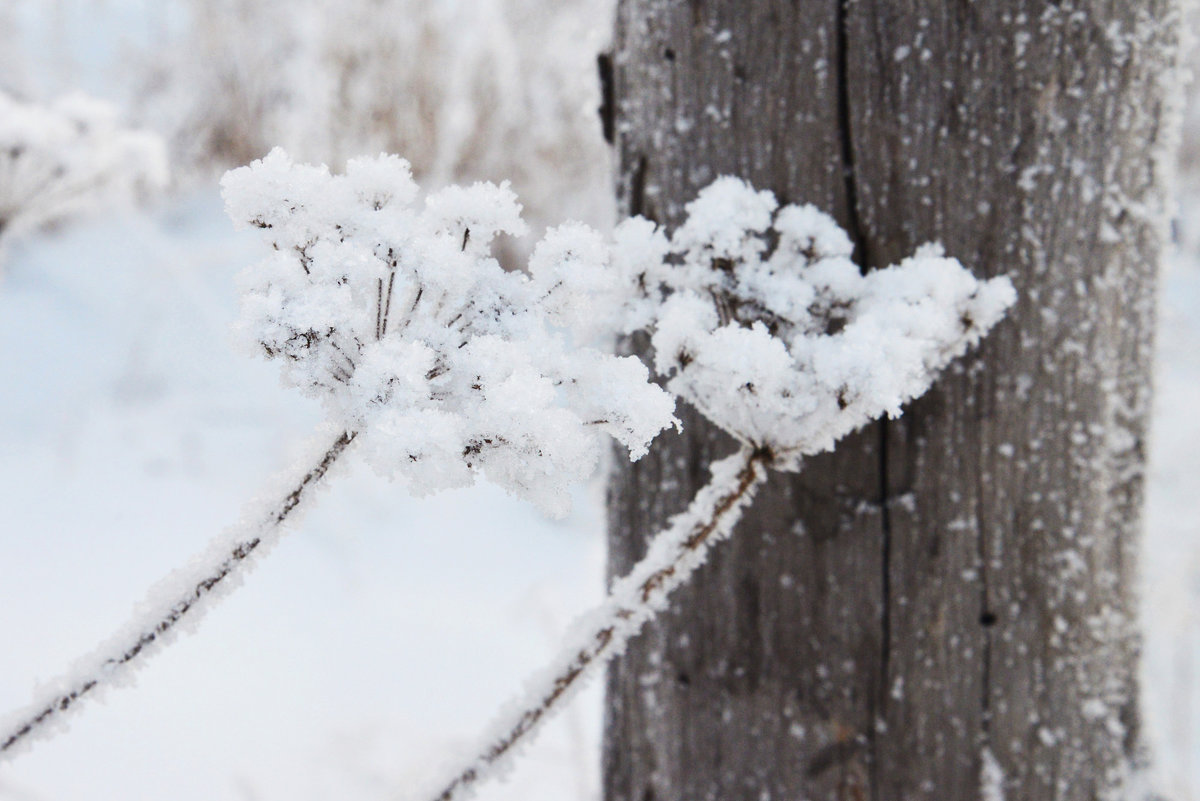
x=383, y=633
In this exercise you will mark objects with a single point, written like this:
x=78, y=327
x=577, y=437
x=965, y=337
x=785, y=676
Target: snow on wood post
x=943, y=607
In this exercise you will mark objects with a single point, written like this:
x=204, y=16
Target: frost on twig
x=399, y=319
x=672, y=557
x=180, y=599
x=759, y=319
x=70, y=157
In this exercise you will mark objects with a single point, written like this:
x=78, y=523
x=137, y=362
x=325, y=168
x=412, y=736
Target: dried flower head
x=399, y=319
x=69, y=157
x=762, y=322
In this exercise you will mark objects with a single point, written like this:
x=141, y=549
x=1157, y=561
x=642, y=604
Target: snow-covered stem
x=673, y=555
x=68, y=157
x=181, y=597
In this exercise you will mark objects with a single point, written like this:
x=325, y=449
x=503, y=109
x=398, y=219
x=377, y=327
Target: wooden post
x=944, y=604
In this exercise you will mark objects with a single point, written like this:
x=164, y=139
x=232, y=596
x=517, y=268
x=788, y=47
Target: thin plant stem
x=181, y=597
x=673, y=555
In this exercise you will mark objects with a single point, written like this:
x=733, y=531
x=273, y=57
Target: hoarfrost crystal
x=402, y=323
x=760, y=319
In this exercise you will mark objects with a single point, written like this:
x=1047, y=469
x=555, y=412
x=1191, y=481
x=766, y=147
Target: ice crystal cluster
x=395, y=314
x=760, y=319
x=69, y=157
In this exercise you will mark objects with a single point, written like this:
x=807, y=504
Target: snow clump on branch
x=70, y=157
x=761, y=320
x=398, y=318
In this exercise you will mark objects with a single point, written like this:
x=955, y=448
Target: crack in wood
x=607, y=110
x=855, y=228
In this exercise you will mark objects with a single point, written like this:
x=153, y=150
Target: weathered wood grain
x=958, y=581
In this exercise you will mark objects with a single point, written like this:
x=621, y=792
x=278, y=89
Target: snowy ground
x=370, y=644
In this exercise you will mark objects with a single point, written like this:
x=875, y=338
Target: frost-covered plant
x=759, y=319
x=397, y=316
x=70, y=157
x=429, y=357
